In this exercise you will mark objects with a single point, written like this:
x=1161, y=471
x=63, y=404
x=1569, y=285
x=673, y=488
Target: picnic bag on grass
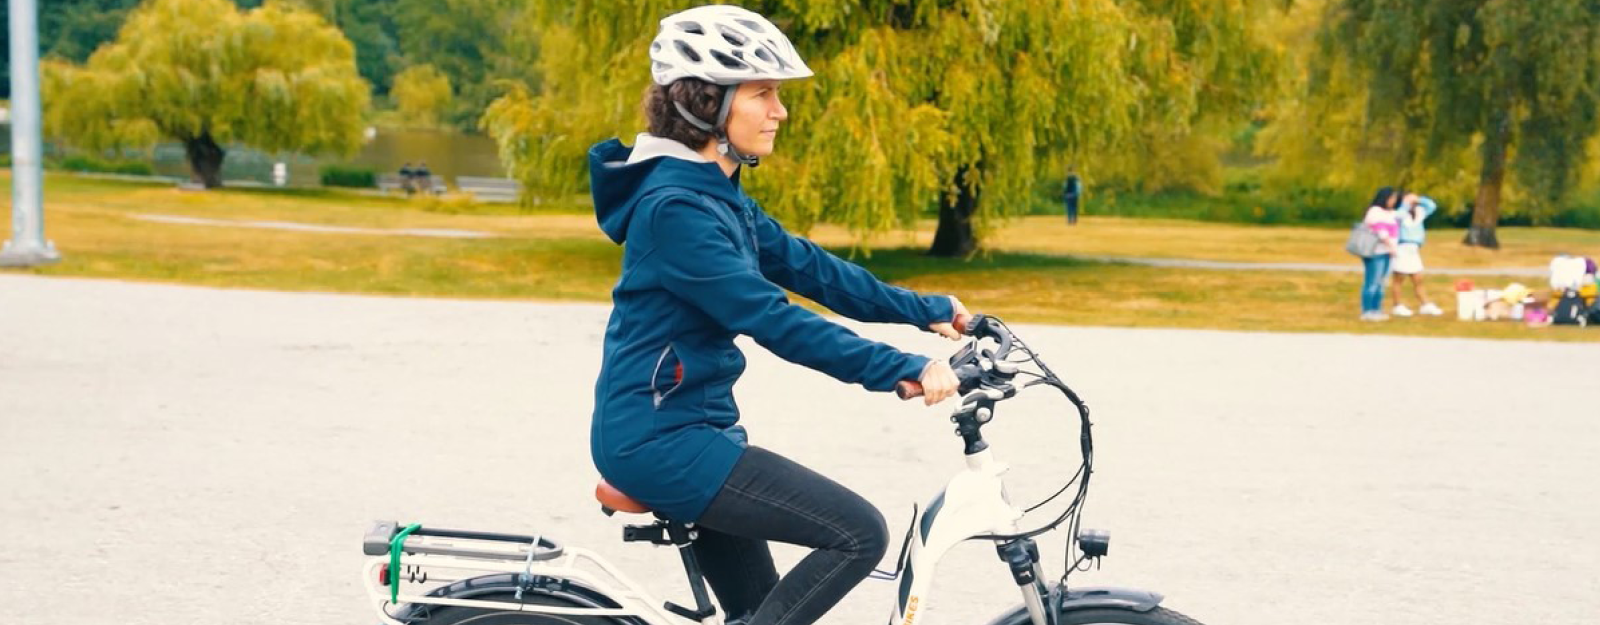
x=1570, y=310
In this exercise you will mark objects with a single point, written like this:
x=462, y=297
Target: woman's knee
x=869, y=533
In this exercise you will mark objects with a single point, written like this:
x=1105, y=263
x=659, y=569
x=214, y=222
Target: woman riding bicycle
x=702, y=264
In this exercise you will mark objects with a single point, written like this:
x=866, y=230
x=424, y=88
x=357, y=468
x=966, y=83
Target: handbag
x=1363, y=241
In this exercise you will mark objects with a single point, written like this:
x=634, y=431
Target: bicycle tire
x=1112, y=616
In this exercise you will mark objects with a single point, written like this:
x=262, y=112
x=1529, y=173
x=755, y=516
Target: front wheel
x=1112, y=616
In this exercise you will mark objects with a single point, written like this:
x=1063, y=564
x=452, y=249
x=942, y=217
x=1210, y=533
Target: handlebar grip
x=910, y=389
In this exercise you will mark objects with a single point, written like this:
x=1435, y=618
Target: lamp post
x=27, y=246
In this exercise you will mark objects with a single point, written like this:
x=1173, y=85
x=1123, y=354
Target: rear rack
x=460, y=543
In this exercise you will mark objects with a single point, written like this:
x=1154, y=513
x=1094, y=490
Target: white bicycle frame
x=973, y=503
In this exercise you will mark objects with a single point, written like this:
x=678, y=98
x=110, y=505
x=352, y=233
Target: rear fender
x=576, y=594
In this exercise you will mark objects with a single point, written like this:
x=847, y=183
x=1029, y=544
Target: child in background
x=1414, y=210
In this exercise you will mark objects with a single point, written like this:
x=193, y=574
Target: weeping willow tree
x=203, y=73
x=1232, y=69
x=1454, y=94
x=421, y=94
x=964, y=105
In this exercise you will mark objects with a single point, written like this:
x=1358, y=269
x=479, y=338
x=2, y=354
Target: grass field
x=558, y=254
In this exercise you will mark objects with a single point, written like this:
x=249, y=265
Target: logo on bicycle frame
x=911, y=611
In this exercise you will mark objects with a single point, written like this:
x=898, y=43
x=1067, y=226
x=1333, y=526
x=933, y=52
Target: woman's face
x=1389, y=203
x=754, y=117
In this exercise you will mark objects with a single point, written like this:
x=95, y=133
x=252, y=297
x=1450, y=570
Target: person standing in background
x=1381, y=219
x=1071, y=191
x=1407, y=261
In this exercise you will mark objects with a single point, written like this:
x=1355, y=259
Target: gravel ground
x=185, y=455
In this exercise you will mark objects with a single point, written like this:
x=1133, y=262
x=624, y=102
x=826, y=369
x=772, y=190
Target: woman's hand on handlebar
x=945, y=328
x=938, y=382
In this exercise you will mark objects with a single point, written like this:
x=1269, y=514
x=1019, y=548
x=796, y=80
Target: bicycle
x=532, y=580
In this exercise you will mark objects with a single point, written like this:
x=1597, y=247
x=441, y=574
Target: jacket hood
x=620, y=176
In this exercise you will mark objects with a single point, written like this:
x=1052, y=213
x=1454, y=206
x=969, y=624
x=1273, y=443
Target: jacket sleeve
x=700, y=262
x=1428, y=207
x=844, y=287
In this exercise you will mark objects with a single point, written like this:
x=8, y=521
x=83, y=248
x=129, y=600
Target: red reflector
x=677, y=374
x=383, y=575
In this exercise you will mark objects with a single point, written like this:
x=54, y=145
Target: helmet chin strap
x=720, y=130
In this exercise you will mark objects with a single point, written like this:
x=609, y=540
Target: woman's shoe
x=1430, y=309
x=1400, y=310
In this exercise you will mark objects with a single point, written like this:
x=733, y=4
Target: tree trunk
x=1486, y=209
x=205, y=159
x=954, y=238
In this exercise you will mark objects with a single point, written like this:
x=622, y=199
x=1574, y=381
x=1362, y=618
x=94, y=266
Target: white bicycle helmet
x=722, y=45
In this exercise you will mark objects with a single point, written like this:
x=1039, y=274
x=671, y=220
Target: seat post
x=683, y=536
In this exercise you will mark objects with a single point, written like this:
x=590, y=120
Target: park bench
x=490, y=189
x=391, y=182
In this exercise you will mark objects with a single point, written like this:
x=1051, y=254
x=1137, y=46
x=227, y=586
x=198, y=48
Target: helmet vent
x=732, y=36
x=691, y=27
x=728, y=61
x=687, y=51
x=754, y=27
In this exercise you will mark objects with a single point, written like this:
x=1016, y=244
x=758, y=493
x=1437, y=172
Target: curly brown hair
x=700, y=97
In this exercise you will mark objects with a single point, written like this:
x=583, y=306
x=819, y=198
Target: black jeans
x=769, y=497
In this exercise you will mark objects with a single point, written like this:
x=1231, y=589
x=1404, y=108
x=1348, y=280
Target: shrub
x=346, y=176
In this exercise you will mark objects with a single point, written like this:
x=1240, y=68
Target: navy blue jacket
x=702, y=264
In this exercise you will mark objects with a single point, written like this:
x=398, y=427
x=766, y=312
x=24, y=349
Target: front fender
x=1089, y=597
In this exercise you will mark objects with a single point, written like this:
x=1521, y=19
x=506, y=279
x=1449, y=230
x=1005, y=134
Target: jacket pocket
x=667, y=375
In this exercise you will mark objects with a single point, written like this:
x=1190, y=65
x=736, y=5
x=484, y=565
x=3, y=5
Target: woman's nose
x=779, y=112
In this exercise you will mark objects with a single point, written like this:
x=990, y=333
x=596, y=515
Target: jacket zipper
x=656, y=373
x=750, y=229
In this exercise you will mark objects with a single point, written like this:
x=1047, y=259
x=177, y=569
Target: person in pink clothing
x=1381, y=219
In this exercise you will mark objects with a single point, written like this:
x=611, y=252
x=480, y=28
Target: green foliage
x=1431, y=93
x=72, y=29
x=370, y=27
x=68, y=29
x=1244, y=198
x=348, y=176
x=477, y=43
x=278, y=78
x=421, y=93
x=909, y=93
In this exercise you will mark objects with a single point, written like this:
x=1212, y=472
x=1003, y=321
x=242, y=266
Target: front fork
x=1021, y=555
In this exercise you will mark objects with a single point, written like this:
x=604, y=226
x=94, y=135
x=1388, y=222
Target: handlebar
x=987, y=377
x=971, y=325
